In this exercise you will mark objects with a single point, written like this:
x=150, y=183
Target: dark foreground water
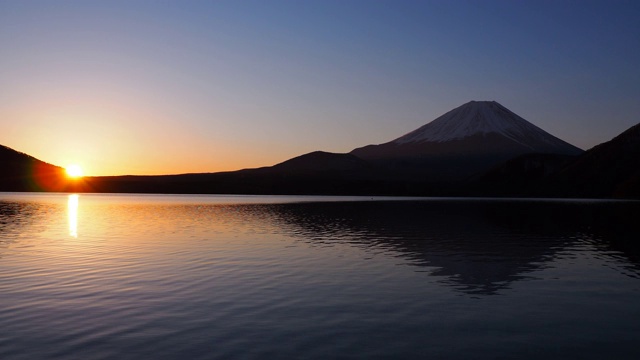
x=188, y=277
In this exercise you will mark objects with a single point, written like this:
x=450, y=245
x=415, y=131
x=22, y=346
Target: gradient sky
x=157, y=87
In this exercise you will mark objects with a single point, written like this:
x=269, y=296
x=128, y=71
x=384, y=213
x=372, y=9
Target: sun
x=74, y=171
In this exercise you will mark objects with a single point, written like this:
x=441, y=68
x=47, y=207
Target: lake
x=97, y=276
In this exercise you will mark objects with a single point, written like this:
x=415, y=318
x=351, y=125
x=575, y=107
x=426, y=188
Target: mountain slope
x=609, y=169
x=464, y=141
x=317, y=172
x=520, y=176
x=21, y=172
x=319, y=162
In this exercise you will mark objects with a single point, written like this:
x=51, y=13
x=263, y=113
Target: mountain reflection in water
x=479, y=246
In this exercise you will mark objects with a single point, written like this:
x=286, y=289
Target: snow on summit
x=476, y=130
x=474, y=118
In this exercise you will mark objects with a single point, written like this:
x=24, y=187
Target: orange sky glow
x=176, y=87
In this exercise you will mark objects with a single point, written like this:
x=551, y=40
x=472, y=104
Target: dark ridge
x=611, y=169
x=21, y=172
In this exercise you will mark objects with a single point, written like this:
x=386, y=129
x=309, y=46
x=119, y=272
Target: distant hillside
x=319, y=163
x=609, y=169
x=317, y=172
x=21, y=172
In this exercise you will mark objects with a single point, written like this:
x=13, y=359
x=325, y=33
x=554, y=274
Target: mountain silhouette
x=466, y=140
x=479, y=247
x=21, y=172
x=478, y=149
x=520, y=176
x=318, y=163
x=611, y=169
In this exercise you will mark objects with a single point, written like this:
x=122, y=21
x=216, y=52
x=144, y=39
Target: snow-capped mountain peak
x=466, y=140
x=477, y=118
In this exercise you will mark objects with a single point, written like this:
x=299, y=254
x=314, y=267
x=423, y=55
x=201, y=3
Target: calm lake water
x=249, y=277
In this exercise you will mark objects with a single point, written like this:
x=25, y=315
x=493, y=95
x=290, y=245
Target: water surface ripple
x=216, y=277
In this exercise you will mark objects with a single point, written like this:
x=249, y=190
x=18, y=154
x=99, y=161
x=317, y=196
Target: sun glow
x=74, y=171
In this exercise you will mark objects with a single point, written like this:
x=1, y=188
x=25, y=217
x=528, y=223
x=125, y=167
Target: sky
x=167, y=87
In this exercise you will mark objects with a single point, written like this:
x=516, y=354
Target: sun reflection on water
x=72, y=209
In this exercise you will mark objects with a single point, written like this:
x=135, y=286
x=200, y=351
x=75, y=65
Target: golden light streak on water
x=72, y=211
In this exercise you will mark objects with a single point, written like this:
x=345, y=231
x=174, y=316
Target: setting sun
x=74, y=171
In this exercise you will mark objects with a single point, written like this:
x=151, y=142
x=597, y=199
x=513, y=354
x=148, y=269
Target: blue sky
x=141, y=87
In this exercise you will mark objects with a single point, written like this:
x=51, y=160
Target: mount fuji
x=468, y=139
x=478, y=149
